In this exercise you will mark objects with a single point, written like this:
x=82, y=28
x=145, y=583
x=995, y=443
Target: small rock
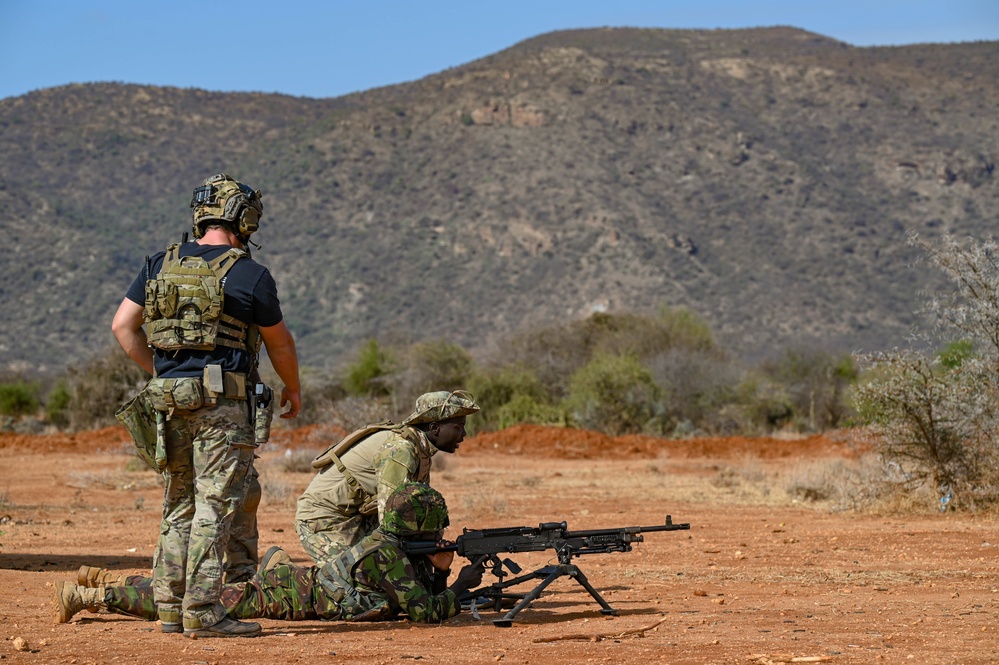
x=21, y=644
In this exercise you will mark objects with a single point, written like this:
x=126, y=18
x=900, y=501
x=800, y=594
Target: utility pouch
x=161, y=299
x=370, y=506
x=263, y=413
x=139, y=417
x=169, y=395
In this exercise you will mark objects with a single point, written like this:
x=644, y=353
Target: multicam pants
x=324, y=539
x=291, y=593
x=241, y=558
x=209, y=452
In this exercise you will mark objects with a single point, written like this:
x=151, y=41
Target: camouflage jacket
x=380, y=463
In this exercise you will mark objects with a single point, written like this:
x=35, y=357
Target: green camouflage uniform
x=193, y=534
x=372, y=580
x=331, y=516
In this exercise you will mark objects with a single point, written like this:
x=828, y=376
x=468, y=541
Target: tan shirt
x=380, y=463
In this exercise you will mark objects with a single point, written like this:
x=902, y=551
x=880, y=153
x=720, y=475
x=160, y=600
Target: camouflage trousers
x=325, y=539
x=290, y=593
x=209, y=453
x=241, y=558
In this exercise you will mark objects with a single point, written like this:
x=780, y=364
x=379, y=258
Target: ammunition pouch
x=139, y=417
x=169, y=395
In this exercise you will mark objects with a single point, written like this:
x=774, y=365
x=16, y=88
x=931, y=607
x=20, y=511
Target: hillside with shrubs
x=763, y=179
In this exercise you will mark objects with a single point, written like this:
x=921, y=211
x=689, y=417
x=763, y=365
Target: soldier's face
x=450, y=433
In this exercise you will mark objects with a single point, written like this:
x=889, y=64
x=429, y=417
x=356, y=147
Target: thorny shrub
x=933, y=415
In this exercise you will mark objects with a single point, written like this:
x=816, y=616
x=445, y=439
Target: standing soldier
x=346, y=500
x=206, y=306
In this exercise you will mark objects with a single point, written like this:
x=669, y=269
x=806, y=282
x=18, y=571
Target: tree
x=934, y=414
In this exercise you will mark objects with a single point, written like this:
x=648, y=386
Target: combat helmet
x=415, y=510
x=224, y=199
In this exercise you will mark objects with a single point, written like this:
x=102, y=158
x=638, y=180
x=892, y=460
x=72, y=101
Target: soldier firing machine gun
x=476, y=543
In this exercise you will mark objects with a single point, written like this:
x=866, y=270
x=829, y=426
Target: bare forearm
x=284, y=359
x=138, y=350
x=127, y=329
x=281, y=350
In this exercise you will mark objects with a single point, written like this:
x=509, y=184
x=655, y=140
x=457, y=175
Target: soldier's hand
x=441, y=560
x=293, y=399
x=470, y=576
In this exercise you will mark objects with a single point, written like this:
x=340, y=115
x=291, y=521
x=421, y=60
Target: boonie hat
x=442, y=405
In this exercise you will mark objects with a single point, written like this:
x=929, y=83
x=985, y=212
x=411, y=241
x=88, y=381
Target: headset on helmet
x=224, y=199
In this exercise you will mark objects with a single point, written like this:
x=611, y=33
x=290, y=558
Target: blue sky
x=334, y=47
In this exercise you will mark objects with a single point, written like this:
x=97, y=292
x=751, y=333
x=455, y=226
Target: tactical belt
x=231, y=385
x=191, y=393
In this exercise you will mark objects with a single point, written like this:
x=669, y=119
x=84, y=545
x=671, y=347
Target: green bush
x=555, y=352
x=697, y=385
x=18, y=398
x=616, y=395
x=365, y=376
x=686, y=329
x=100, y=385
x=58, y=403
x=816, y=384
x=495, y=389
x=525, y=409
x=428, y=366
x=954, y=354
x=764, y=404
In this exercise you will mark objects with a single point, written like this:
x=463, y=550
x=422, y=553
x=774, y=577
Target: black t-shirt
x=250, y=295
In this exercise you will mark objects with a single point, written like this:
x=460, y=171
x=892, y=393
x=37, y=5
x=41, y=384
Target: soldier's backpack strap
x=171, y=257
x=234, y=333
x=333, y=454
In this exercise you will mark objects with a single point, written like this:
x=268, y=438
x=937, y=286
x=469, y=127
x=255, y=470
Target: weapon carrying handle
x=553, y=526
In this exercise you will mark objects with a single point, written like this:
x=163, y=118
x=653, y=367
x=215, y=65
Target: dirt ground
x=763, y=576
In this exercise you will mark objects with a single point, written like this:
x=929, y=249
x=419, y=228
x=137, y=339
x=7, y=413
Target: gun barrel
x=630, y=530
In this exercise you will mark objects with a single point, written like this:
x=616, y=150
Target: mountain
x=764, y=178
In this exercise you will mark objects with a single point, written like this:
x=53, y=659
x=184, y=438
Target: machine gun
x=476, y=543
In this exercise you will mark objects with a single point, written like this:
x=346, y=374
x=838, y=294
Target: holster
x=263, y=413
x=161, y=455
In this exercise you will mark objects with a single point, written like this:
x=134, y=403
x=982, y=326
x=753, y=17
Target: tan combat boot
x=92, y=576
x=71, y=598
x=274, y=557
